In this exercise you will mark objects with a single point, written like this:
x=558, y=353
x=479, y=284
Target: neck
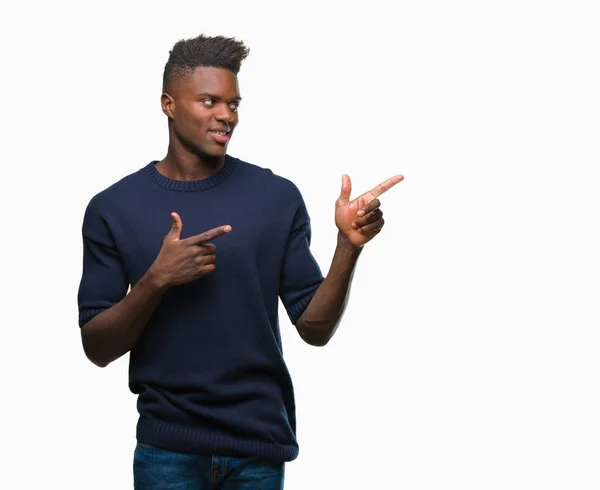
x=180, y=164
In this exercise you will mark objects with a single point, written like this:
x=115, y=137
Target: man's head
x=201, y=94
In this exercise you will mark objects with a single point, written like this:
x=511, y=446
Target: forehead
x=205, y=79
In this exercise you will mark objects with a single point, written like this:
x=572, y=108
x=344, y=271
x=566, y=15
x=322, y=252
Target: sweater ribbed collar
x=191, y=185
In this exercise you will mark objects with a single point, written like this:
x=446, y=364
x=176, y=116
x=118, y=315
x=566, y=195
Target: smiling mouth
x=221, y=137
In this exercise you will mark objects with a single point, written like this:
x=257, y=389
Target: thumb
x=346, y=190
x=175, y=231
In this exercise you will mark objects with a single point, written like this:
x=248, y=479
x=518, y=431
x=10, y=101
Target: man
x=215, y=398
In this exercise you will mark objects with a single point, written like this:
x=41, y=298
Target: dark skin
x=197, y=106
x=358, y=222
x=207, y=99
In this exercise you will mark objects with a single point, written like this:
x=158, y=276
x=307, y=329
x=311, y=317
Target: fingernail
x=227, y=228
x=361, y=212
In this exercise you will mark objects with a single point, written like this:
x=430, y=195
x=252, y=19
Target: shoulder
x=277, y=185
x=116, y=195
x=109, y=203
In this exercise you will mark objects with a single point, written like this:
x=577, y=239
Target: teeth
x=221, y=133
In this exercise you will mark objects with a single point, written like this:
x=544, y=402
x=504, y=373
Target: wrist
x=155, y=280
x=344, y=242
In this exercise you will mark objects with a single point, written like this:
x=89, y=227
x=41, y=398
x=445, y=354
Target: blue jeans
x=156, y=468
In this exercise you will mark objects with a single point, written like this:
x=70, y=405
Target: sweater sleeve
x=301, y=275
x=104, y=281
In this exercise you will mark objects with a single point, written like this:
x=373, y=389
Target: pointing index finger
x=386, y=185
x=209, y=235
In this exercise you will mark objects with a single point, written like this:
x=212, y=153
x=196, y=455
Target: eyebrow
x=235, y=99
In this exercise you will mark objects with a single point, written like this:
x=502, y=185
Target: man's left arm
x=358, y=221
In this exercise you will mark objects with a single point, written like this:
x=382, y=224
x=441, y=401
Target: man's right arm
x=116, y=330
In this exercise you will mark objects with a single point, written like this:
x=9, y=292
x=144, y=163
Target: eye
x=208, y=102
x=234, y=107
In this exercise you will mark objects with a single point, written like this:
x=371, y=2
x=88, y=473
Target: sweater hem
x=190, y=440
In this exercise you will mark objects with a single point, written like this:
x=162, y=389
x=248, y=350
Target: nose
x=223, y=113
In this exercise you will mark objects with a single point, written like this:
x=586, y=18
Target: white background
x=468, y=357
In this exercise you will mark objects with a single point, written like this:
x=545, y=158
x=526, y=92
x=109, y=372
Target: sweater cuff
x=86, y=315
x=294, y=311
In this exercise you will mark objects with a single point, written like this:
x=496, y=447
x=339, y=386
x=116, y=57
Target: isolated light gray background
x=468, y=356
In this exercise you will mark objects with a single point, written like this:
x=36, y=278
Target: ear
x=168, y=105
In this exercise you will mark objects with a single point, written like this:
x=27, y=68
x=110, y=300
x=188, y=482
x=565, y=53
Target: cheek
x=193, y=120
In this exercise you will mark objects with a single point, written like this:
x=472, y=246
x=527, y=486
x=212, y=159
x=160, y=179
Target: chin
x=212, y=153
x=219, y=153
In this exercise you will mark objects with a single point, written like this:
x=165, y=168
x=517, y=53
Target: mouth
x=220, y=136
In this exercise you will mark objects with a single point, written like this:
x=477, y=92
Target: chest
x=257, y=240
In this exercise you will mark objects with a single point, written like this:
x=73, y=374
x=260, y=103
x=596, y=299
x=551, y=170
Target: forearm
x=320, y=319
x=115, y=331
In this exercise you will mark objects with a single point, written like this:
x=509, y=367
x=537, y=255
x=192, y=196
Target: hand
x=361, y=219
x=181, y=261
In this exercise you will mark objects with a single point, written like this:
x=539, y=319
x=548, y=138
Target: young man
x=215, y=398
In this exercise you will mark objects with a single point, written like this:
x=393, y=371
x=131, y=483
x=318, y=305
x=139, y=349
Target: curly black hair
x=217, y=52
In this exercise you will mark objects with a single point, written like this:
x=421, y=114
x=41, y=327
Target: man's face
x=203, y=110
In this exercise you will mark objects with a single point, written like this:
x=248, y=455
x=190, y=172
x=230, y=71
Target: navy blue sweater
x=208, y=369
